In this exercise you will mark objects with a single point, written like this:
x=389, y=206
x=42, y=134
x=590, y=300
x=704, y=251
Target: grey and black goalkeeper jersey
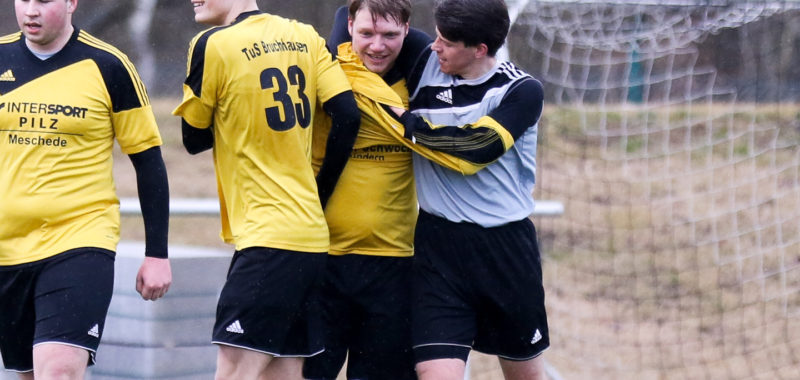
x=492, y=119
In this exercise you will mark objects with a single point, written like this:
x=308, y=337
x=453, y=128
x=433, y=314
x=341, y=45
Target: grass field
x=678, y=256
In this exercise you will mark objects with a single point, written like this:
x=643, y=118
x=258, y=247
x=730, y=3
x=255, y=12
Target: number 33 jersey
x=256, y=82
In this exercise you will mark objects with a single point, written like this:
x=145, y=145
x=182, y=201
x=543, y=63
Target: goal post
x=678, y=253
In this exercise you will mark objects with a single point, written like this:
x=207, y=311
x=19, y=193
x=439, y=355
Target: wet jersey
x=59, y=119
x=374, y=207
x=255, y=82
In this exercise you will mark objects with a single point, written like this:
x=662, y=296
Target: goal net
x=678, y=255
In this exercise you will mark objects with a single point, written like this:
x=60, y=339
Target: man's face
x=454, y=57
x=44, y=22
x=211, y=12
x=376, y=43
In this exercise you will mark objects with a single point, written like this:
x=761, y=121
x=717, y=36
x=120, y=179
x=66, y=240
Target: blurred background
x=758, y=59
x=670, y=135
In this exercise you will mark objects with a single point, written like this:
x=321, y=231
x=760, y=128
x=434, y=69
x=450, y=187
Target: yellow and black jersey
x=373, y=209
x=255, y=82
x=58, y=121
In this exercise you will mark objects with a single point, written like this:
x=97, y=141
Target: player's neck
x=53, y=46
x=238, y=8
x=479, y=67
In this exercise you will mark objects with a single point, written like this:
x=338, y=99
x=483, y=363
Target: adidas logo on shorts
x=235, y=327
x=537, y=336
x=94, y=331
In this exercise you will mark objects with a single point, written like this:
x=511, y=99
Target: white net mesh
x=678, y=255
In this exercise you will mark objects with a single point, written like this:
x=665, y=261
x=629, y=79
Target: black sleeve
x=346, y=119
x=482, y=142
x=151, y=181
x=196, y=140
x=521, y=107
x=339, y=32
x=413, y=56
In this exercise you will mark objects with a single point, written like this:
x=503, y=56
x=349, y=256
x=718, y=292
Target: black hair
x=473, y=22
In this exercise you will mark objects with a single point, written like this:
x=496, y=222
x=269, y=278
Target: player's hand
x=398, y=111
x=154, y=278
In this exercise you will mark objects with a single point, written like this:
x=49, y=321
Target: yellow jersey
x=59, y=118
x=256, y=83
x=373, y=209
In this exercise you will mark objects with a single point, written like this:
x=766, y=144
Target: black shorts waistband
x=59, y=256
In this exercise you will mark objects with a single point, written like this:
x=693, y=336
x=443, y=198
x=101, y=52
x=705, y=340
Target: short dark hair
x=473, y=22
x=397, y=10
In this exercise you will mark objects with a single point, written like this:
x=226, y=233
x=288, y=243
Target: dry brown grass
x=679, y=252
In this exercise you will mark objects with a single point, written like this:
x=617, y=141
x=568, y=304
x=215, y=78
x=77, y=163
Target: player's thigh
x=383, y=348
x=18, y=323
x=531, y=369
x=441, y=369
x=72, y=298
x=511, y=315
x=57, y=360
x=443, y=315
x=238, y=363
x=267, y=307
x=341, y=321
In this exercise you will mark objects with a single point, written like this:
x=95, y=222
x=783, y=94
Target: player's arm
x=487, y=139
x=413, y=57
x=345, y=120
x=199, y=96
x=389, y=123
x=196, y=140
x=155, y=275
x=339, y=32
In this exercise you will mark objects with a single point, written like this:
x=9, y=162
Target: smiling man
x=371, y=214
x=67, y=98
x=477, y=280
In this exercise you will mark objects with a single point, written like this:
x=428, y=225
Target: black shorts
x=269, y=303
x=367, y=313
x=477, y=288
x=61, y=299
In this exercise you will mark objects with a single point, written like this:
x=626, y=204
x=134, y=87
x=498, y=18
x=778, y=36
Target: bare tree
x=139, y=25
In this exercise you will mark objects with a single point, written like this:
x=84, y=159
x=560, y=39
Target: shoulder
x=8, y=44
x=295, y=31
x=296, y=25
x=520, y=81
x=10, y=38
x=199, y=43
x=121, y=79
x=107, y=57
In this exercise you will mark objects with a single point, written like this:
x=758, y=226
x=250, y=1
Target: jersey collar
x=27, y=51
x=246, y=15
